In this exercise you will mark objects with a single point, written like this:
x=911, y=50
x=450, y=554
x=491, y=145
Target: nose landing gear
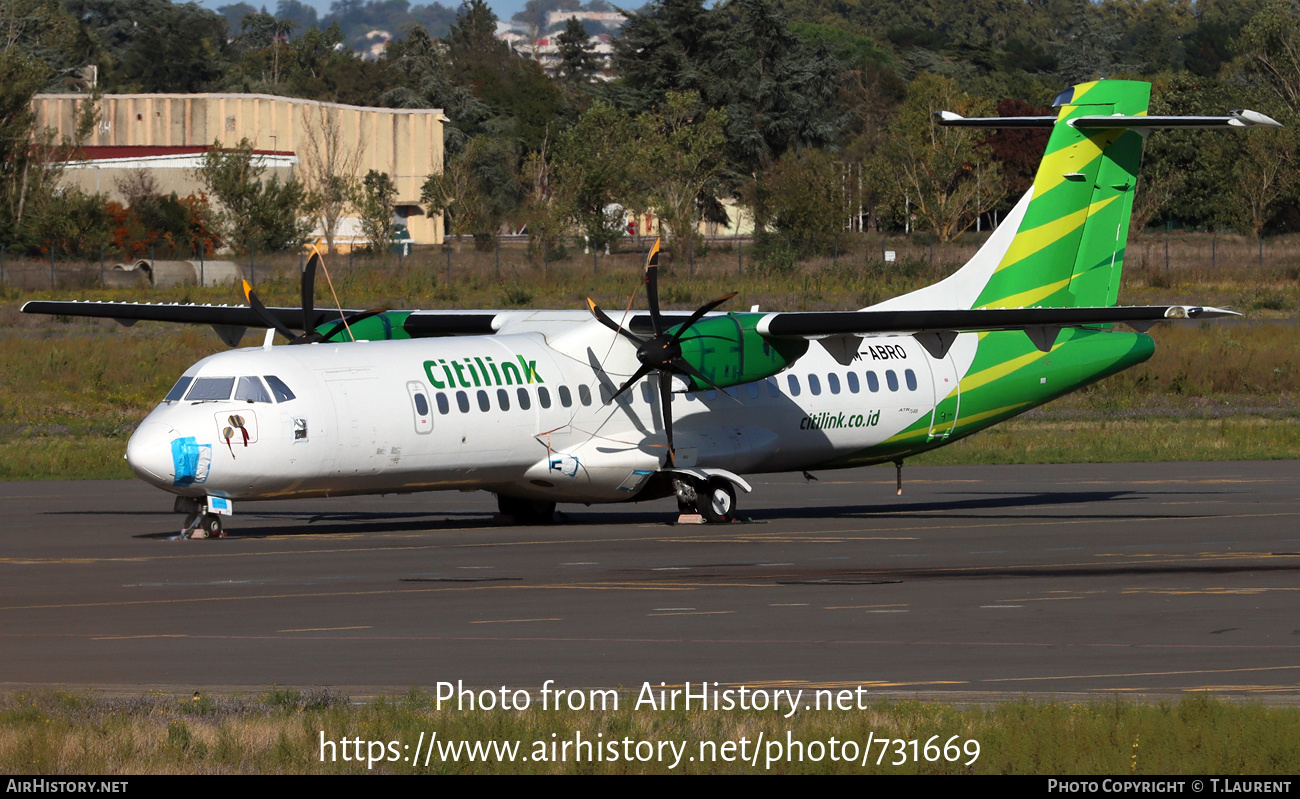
x=200, y=522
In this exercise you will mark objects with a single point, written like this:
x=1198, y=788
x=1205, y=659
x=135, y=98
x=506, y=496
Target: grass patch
x=280, y=732
x=1030, y=440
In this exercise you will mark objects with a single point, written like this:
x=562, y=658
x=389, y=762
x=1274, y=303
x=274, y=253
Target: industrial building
x=167, y=135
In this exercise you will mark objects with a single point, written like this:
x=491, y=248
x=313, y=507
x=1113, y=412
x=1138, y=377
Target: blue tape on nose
x=185, y=460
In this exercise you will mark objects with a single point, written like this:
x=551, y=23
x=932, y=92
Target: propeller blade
x=309, y=290
x=652, y=287
x=604, y=319
x=682, y=365
x=640, y=373
x=666, y=404
x=699, y=314
x=267, y=316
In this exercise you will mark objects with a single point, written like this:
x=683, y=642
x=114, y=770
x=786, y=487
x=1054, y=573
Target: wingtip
x=248, y=290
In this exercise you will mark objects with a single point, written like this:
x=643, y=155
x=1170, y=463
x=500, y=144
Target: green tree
x=155, y=45
x=254, y=213
x=376, y=209
x=741, y=57
x=683, y=153
x=1270, y=46
x=801, y=197
x=478, y=188
x=577, y=59
x=941, y=173
x=596, y=169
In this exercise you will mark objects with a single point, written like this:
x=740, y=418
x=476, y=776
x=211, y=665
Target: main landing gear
x=713, y=499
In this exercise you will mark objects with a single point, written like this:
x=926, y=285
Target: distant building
x=612, y=20
x=167, y=134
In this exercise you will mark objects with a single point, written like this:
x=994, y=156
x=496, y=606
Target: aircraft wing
x=937, y=329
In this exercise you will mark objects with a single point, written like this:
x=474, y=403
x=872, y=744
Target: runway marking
x=863, y=607
x=133, y=637
x=1040, y=599
x=1216, y=591
x=1141, y=674
x=324, y=629
x=1001, y=606
x=512, y=621
x=695, y=613
x=788, y=604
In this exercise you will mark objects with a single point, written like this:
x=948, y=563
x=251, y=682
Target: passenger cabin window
x=773, y=390
x=178, y=390
x=873, y=382
x=833, y=380
x=484, y=404
x=525, y=402
x=854, y=385
x=210, y=388
x=278, y=388
x=584, y=394
x=503, y=399
x=462, y=401
x=793, y=380
x=543, y=396
x=814, y=385
x=250, y=389
x=752, y=389
x=891, y=379
x=566, y=397
x=910, y=377
x=444, y=407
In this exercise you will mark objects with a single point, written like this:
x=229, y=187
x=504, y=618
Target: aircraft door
x=420, y=407
x=947, y=396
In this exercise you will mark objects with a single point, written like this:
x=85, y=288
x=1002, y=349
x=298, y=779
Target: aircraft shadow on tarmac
x=256, y=523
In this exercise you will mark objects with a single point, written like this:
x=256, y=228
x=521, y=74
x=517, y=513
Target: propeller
x=309, y=335
x=662, y=352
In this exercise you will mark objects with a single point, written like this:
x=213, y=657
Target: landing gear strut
x=714, y=499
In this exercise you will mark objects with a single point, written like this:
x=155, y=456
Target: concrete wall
x=405, y=143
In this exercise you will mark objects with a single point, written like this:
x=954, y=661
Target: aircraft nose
x=149, y=453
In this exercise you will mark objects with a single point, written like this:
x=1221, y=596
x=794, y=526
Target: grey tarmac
x=979, y=581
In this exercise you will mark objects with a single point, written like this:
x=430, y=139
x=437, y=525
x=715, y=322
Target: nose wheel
x=199, y=522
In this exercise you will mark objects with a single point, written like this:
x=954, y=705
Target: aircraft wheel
x=526, y=511
x=717, y=502
x=211, y=525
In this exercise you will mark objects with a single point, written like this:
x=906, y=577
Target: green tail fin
x=1069, y=249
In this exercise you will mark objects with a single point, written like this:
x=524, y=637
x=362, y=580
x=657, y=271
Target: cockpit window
x=210, y=388
x=178, y=390
x=278, y=388
x=250, y=389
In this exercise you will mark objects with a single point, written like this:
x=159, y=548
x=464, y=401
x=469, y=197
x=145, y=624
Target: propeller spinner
x=662, y=352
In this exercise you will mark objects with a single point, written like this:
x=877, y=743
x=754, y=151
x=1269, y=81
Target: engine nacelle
x=731, y=352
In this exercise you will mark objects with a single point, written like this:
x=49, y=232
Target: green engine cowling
x=380, y=327
x=731, y=352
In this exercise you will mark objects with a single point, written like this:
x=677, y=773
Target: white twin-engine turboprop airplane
x=541, y=407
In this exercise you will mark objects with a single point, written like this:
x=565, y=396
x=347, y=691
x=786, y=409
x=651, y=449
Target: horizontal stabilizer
x=1242, y=118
